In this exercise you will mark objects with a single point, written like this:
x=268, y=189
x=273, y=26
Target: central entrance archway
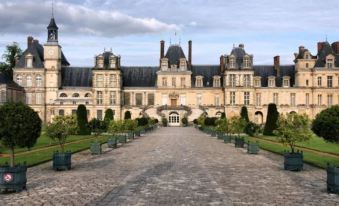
x=174, y=119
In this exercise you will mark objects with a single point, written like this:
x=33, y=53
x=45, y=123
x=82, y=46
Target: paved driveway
x=174, y=166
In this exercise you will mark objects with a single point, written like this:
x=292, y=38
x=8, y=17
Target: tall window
x=61, y=112
x=232, y=63
x=232, y=80
x=2, y=96
x=271, y=82
x=329, y=81
x=174, y=82
x=319, y=81
x=127, y=99
x=329, y=99
x=99, y=114
x=329, y=63
x=183, y=99
x=307, y=101
x=38, y=98
x=138, y=99
x=29, y=81
x=38, y=80
x=113, y=80
x=217, y=100
x=257, y=83
x=112, y=98
x=247, y=80
x=292, y=99
x=246, y=62
x=306, y=82
x=100, y=80
x=258, y=99
x=164, y=82
x=182, y=81
x=286, y=82
x=28, y=98
x=246, y=98
x=164, y=99
x=199, y=99
x=198, y=82
x=232, y=98
x=99, y=98
x=19, y=79
x=216, y=82
x=150, y=98
x=320, y=99
x=276, y=98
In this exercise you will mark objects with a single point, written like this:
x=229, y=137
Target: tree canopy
x=326, y=124
x=12, y=52
x=271, y=120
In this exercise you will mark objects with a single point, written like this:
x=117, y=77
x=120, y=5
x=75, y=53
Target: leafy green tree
x=293, y=128
x=143, y=121
x=237, y=125
x=244, y=113
x=116, y=126
x=251, y=129
x=12, y=52
x=108, y=115
x=223, y=115
x=326, y=124
x=223, y=125
x=128, y=115
x=83, y=128
x=97, y=125
x=20, y=126
x=272, y=118
x=129, y=125
x=60, y=128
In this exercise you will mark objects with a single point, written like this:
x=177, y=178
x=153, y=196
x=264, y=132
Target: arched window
x=88, y=95
x=38, y=80
x=75, y=95
x=29, y=81
x=63, y=95
x=19, y=79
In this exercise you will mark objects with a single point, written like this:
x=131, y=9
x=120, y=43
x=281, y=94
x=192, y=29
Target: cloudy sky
x=133, y=28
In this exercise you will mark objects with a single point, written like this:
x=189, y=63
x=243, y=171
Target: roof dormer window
x=286, y=81
x=198, y=81
x=271, y=81
x=216, y=81
x=246, y=62
x=232, y=62
x=29, y=60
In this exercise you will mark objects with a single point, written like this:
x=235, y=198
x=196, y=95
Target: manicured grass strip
x=313, y=158
x=44, y=155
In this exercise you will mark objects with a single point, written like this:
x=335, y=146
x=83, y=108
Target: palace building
x=176, y=87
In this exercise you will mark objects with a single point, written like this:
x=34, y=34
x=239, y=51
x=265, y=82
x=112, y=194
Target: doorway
x=174, y=119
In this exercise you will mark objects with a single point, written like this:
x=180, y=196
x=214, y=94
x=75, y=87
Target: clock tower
x=52, y=57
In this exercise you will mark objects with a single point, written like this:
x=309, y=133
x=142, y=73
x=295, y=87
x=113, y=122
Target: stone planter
x=112, y=142
x=13, y=178
x=122, y=139
x=227, y=138
x=293, y=161
x=252, y=147
x=62, y=161
x=96, y=148
x=332, y=179
x=239, y=142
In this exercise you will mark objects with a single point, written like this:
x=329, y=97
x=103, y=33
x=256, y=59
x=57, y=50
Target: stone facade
x=177, y=88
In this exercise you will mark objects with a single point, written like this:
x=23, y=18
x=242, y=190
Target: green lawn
x=40, y=156
x=309, y=157
x=315, y=143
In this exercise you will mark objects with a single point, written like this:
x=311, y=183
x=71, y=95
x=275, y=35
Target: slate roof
x=326, y=50
x=239, y=53
x=52, y=24
x=37, y=50
x=134, y=76
x=264, y=71
x=174, y=53
x=76, y=76
x=207, y=71
x=5, y=79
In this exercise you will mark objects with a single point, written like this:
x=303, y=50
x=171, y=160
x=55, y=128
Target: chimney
x=241, y=46
x=190, y=53
x=29, y=41
x=162, y=49
x=301, y=49
x=276, y=61
x=222, y=63
x=335, y=47
x=320, y=46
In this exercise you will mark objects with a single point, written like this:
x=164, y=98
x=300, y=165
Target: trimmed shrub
x=244, y=113
x=210, y=121
x=326, y=124
x=98, y=126
x=83, y=128
x=184, y=121
x=252, y=129
x=143, y=121
x=128, y=115
x=164, y=121
x=108, y=115
x=272, y=118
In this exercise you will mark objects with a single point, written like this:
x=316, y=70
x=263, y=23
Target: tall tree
x=83, y=128
x=244, y=113
x=108, y=115
x=12, y=52
x=326, y=124
x=271, y=120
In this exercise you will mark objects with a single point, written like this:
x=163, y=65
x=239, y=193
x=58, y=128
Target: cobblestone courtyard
x=174, y=166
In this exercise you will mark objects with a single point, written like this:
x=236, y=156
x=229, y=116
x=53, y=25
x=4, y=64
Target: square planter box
x=122, y=139
x=112, y=142
x=332, y=179
x=62, y=161
x=213, y=133
x=138, y=133
x=13, y=178
x=130, y=135
x=293, y=161
x=239, y=142
x=253, y=147
x=227, y=138
x=220, y=135
x=96, y=148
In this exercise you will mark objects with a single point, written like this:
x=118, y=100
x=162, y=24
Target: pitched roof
x=37, y=50
x=207, y=71
x=135, y=76
x=52, y=24
x=239, y=53
x=174, y=53
x=323, y=53
x=264, y=71
x=76, y=76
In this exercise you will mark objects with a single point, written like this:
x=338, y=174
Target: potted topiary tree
x=83, y=128
x=237, y=126
x=293, y=128
x=184, y=121
x=164, y=121
x=223, y=126
x=326, y=125
x=271, y=120
x=20, y=126
x=58, y=130
x=129, y=127
x=97, y=127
